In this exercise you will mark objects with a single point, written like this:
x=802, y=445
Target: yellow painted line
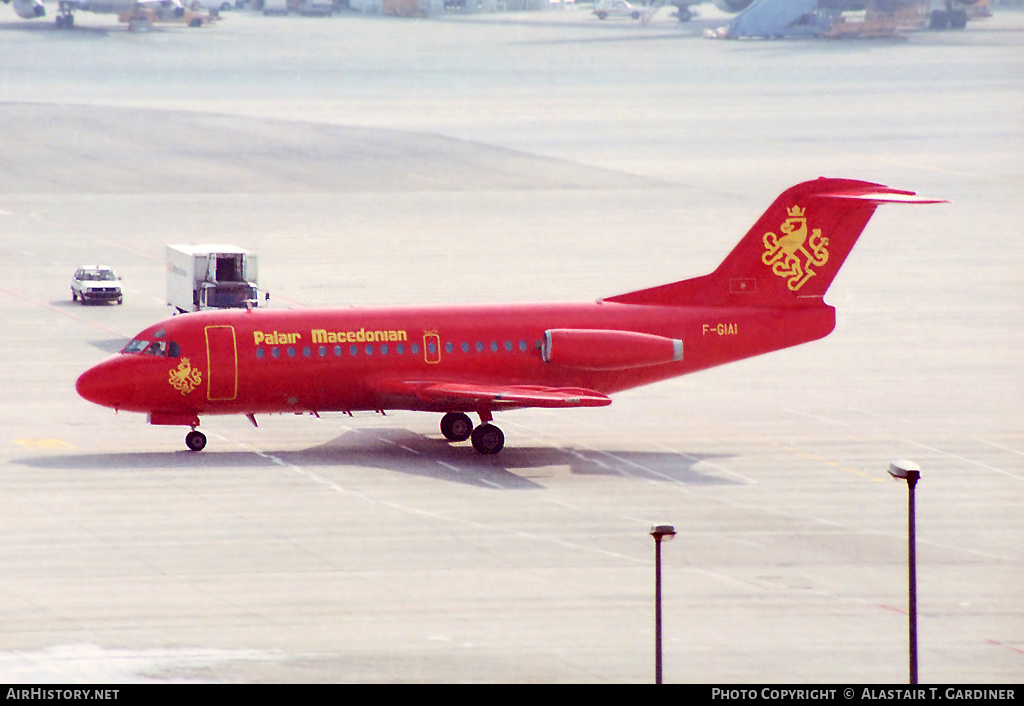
x=41, y=443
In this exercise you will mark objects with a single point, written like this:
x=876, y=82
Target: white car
x=617, y=8
x=96, y=283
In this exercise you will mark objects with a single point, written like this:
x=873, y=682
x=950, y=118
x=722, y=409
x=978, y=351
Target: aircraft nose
x=94, y=385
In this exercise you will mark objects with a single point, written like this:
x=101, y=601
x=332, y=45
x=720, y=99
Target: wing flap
x=458, y=394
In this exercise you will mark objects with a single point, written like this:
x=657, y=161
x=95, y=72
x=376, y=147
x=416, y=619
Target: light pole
x=910, y=472
x=661, y=533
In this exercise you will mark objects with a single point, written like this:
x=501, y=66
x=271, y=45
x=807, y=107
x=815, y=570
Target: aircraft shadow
x=516, y=467
x=406, y=452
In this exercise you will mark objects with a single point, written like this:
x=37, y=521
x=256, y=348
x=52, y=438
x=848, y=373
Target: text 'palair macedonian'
x=360, y=336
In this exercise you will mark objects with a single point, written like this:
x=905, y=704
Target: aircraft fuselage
x=320, y=360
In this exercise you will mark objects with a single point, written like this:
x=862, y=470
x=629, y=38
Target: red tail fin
x=792, y=253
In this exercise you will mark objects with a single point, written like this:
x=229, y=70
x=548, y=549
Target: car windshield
x=98, y=275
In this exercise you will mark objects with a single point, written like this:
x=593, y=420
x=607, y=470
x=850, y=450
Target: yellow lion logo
x=184, y=379
x=792, y=254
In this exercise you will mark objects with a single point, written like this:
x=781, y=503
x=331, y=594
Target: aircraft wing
x=471, y=395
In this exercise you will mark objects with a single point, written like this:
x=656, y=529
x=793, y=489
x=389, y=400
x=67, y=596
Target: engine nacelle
x=732, y=5
x=29, y=9
x=589, y=349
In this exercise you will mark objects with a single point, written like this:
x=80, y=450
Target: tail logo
x=793, y=254
x=184, y=379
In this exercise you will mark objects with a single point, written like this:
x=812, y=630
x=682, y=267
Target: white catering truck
x=211, y=277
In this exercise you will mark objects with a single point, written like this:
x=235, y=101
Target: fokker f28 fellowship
x=767, y=294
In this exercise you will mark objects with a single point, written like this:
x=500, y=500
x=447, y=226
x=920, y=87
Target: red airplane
x=766, y=295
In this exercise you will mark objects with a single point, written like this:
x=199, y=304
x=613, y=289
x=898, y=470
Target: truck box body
x=210, y=277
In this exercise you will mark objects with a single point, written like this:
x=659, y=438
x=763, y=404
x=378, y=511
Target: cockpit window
x=168, y=349
x=135, y=346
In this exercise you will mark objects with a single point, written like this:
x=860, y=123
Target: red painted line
x=51, y=307
x=894, y=610
x=1003, y=644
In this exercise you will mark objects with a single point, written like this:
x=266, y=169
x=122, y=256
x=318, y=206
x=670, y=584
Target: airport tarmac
x=372, y=160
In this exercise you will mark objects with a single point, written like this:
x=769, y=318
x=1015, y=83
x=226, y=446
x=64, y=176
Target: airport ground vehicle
x=142, y=16
x=617, y=8
x=138, y=14
x=211, y=277
x=309, y=8
x=766, y=295
x=96, y=283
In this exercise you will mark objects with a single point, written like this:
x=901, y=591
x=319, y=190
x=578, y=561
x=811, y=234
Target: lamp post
x=910, y=472
x=661, y=533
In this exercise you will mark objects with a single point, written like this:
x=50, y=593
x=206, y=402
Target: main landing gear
x=487, y=438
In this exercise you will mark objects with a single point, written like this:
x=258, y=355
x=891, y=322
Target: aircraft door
x=222, y=364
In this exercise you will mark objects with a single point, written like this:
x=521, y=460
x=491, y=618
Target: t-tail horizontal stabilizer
x=793, y=252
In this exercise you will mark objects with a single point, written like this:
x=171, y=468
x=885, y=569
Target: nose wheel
x=195, y=440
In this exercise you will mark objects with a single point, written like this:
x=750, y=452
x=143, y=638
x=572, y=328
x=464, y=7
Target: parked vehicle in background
x=616, y=8
x=96, y=283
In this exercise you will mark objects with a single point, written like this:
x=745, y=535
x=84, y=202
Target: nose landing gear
x=195, y=440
